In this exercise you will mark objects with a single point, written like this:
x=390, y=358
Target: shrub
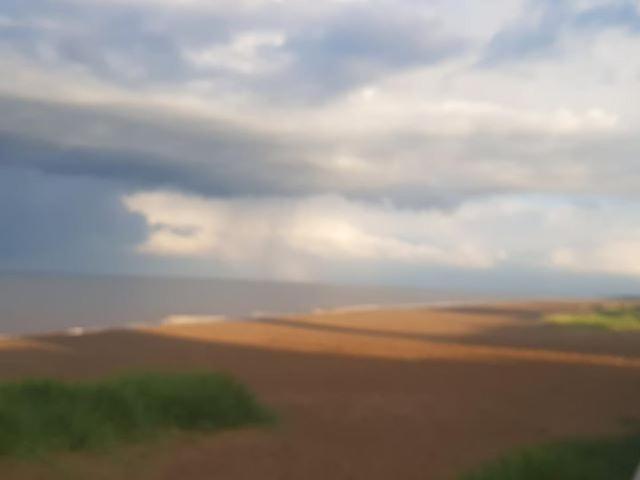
x=610, y=459
x=37, y=416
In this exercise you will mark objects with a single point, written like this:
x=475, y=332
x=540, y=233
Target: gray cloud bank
x=326, y=140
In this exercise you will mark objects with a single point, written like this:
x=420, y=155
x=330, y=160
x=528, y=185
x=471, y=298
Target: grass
x=621, y=318
x=609, y=459
x=40, y=416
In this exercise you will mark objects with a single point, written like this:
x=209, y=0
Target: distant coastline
x=35, y=304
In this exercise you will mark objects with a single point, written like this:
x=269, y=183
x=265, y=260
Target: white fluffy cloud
x=618, y=256
x=248, y=53
x=533, y=232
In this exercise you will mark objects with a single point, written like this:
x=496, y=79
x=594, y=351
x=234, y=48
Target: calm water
x=44, y=303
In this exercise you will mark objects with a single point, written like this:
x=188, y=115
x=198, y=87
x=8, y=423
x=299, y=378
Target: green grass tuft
x=610, y=459
x=39, y=416
x=610, y=318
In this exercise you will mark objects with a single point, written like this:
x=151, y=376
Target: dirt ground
x=395, y=394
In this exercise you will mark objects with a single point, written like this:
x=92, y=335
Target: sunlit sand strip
x=193, y=319
x=407, y=321
x=293, y=339
x=13, y=343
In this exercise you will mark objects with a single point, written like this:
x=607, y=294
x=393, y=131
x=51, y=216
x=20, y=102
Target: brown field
x=396, y=394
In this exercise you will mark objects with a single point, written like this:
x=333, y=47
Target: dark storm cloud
x=218, y=162
x=221, y=162
x=222, y=168
x=56, y=222
x=231, y=161
x=229, y=170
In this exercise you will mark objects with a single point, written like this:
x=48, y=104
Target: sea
x=43, y=303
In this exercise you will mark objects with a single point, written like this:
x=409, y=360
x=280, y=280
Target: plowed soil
x=394, y=394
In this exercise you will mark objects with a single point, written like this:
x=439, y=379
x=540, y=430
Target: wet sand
x=393, y=394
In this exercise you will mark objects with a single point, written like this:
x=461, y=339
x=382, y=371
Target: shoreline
x=189, y=319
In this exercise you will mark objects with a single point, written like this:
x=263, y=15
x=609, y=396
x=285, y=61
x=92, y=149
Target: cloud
x=502, y=232
x=194, y=5
x=247, y=53
x=618, y=256
x=54, y=222
x=326, y=140
x=546, y=24
x=373, y=111
x=420, y=154
x=287, y=238
x=386, y=37
x=171, y=43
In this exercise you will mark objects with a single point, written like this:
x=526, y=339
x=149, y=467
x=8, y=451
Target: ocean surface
x=31, y=303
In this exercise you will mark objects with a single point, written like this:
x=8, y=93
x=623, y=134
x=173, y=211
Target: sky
x=452, y=143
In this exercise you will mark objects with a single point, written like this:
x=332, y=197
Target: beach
x=407, y=393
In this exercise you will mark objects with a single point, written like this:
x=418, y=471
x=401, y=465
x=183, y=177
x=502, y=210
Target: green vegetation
x=611, y=459
x=39, y=416
x=620, y=318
